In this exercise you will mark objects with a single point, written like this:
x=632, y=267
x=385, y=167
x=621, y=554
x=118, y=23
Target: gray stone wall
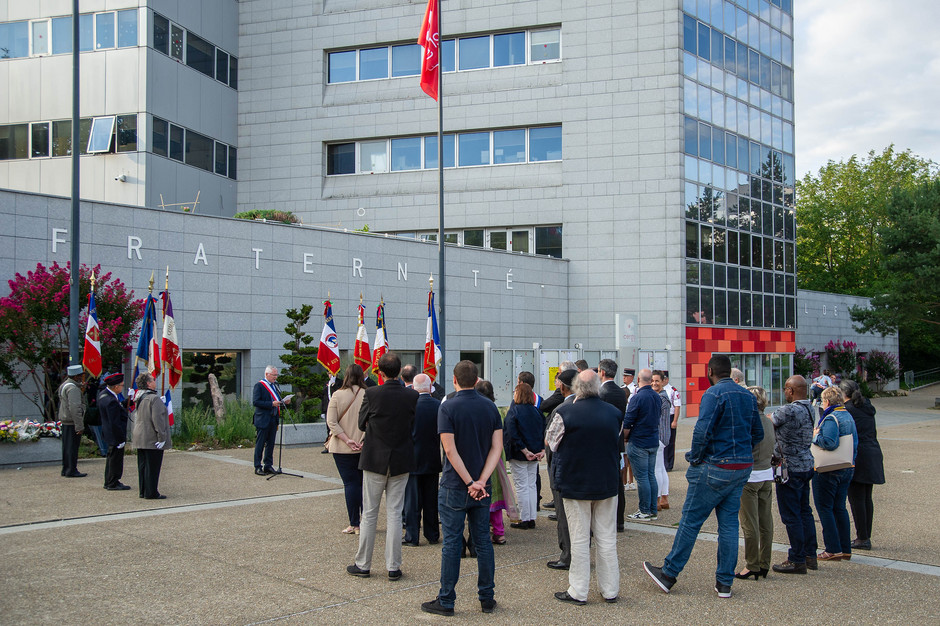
x=232, y=280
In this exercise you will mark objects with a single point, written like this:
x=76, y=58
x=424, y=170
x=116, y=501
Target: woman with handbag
x=869, y=463
x=830, y=486
x=342, y=416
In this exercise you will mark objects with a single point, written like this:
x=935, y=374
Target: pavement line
x=228, y=459
x=170, y=510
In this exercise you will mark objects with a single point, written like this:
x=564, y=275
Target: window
x=430, y=151
x=221, y=66
x=473, y=53
x=373, y=63
x=198, y=151
x=102, y=131
x=232, y=72
x=448, y=55
x=104, y=31
x=520, y=241
x=498, y=240
x=232, y=162
x=62, y=138
x=127, y=28
x=14, y=141
x=176, y=42
x=200, y=55
x=14, y=40
x=545, y=143
x=39, y=133
x=127, y=133
x=544, y=45
x=40, y=37
x=342, y=66
x=473, y=149
x=176, y=143
x=406, y=60
x=161, y=34
x=509, y=146
x=221, y=158
x=473, y=237
x=406, y=154
x=373, y=157
x=160, y=136
x=548, y=241
x=61, y=35
x=509, y=49
x=341, y=159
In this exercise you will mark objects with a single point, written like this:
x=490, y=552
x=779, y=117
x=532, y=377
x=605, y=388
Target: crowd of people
x=597, y=438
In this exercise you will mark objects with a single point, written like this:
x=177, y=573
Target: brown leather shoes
x=663, y=503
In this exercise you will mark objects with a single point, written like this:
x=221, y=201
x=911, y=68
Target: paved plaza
x=229, y=547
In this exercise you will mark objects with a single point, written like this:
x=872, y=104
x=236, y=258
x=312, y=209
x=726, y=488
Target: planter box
x=45, y=450
x=302, y=433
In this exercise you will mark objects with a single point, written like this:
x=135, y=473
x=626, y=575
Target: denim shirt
x=836, y=422
x=728, y=426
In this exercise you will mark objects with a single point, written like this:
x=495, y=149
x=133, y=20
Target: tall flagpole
x=442, y=326
x=74, y=305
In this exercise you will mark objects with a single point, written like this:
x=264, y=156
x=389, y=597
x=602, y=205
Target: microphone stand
x=280, y=449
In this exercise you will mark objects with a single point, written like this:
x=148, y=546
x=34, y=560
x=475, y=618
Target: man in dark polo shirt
x=472, y=436
x=720, y=462
x=584, y=437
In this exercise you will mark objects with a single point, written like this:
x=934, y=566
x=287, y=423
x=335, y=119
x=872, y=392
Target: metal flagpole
x=442, y=326
x=74, y=305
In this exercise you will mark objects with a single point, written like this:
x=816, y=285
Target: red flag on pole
x=171, y=344
x=363, y=352
x=430, y=39
x=91, y=357
x=432, y=342
x=380, y=346
x=328, y=352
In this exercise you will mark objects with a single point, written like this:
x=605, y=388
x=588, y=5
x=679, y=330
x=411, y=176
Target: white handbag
x=831, y=460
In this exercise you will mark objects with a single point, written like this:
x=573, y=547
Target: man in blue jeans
x=472, y=437
x=720, y=463
x=641, y=430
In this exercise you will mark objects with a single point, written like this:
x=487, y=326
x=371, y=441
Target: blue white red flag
x=362, y=352
x=328, y=352
x=91, y=355
x=147, y=356
x=432, y=341
x=168, y=401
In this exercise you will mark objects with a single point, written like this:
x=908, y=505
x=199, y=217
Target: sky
x=867, y=74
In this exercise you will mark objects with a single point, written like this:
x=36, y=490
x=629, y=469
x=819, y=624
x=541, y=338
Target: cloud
x=867, y=75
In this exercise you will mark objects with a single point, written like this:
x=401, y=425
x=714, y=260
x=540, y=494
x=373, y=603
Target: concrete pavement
x=229, y=547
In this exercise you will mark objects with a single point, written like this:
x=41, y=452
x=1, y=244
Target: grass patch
x=197, y=426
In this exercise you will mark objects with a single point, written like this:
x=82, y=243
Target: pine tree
x=302, y=372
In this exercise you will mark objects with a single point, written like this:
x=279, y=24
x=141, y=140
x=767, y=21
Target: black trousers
x=113, y=466
x=421, y=504
x=70, y=441
x=669, y=454
x=564, y=539
x=149, y=463
x=862, y=509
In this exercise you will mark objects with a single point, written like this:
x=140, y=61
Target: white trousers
x=662, y=476
x=372, y=487
x=524, y=474
x=599, y=516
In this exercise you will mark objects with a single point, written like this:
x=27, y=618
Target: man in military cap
x=114, y=430
x=72, y=416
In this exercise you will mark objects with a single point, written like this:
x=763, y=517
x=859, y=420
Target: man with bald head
x=641, y=431
x=421, y=491
x=793, y=428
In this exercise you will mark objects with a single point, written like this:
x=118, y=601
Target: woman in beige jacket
x=151, y=436
x=342, y=416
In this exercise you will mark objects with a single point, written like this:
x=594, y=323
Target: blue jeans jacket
x=836, y=422
x=728, y=426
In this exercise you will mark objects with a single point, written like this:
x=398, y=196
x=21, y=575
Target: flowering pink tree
x=34, y=327
x=842, y=357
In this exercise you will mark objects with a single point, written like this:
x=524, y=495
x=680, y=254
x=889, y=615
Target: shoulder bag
x=831, y=460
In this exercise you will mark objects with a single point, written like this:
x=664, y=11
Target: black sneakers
x=563, y=596
x=353, y=570
x=434, y=606
x=664, y=581
x=395, y=575
x=487, y=606
x=723, y=591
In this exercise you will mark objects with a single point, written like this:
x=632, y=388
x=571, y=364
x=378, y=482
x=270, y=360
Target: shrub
x=285, y=217
x=197, y=425
x=805, y=363
x=237, y=427
x=842, y=357
x=881, y=367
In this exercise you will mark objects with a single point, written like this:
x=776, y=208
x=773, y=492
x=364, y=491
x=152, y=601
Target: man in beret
x=72, y=416
x=114, y=430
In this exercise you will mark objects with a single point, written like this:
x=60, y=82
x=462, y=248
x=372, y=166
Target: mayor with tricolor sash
x=267, y=400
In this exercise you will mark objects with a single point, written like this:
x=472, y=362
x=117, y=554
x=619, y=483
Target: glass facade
x=739, y=164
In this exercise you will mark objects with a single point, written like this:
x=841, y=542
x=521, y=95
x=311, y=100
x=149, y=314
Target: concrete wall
x=232, y=280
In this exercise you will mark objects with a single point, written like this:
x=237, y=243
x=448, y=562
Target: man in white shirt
x=675, y=411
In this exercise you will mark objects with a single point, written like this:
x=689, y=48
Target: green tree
x=909, y=301
x=306, y=377
x=840, y=214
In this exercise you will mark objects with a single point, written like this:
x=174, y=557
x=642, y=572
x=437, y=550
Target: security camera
x=122, y=178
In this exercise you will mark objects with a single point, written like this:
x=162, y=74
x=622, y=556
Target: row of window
x=178, y=43
x=740, y=212
x=728, y=84
x=109, y=133
x=717, y=307
x=735, y=152
x=96, y=31
x=192, y=148
x=463, y=53
x=769, y=371
x=739, y=278
x=722, y=179
x=753, y=22
x=544, y=240
x=515, y=145
x=712, y=243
